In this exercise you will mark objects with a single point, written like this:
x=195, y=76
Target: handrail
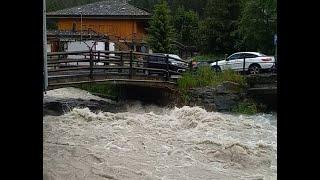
x=94, y=52
x=68, y=53
x=124, y=63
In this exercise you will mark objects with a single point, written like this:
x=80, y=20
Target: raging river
x=151, y=142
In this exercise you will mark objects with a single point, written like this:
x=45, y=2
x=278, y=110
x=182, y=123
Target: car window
x=156, y=58
x=175, y=56
x=247, y=55
x=235, y=56
x=260, y=54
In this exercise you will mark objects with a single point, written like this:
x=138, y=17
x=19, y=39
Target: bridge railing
x=120, y=63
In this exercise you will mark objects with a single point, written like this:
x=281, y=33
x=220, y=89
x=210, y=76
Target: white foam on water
x=150, y=142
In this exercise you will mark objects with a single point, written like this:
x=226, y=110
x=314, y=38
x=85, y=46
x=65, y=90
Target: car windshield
x=260, y=54
x=174, y=56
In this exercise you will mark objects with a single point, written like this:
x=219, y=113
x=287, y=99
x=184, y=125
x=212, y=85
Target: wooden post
x=91, y=64
x=121, y=62
x=98, y=56
x=244, y=66
x=216, y=65
x=190, y=65
x=167, y=68
x=130, y=70
x=44, y=35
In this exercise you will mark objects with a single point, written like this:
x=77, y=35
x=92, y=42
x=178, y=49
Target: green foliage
x=257, y=25
x=194, y=5
x=205, y=76
x=104, y=89
x=207, y=57
x=186, y=24
x=145, y=4
x=160, y=31
x=213, y=26
x=246, y=107
x=219, y=30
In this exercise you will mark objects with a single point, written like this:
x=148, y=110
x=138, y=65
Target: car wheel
x=254, y=69
x=216, y=68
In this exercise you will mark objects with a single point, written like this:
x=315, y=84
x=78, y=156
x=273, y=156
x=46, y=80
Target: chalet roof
x=107, y=8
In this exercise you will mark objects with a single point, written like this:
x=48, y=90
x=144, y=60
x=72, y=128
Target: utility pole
x=45, y=68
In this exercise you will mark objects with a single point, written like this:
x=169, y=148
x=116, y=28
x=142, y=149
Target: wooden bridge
x=119, y=67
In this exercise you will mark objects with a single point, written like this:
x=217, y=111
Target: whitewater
x=151, y=142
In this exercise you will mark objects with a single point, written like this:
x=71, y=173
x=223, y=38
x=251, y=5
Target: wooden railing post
x=57, y=65
x=191, y=65
x=244, y=66
x=121, y=62
x=167, y=68
x=130, y=70
x=91, y=64
x=98, y=56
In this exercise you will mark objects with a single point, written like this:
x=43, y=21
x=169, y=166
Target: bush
x=205, y=76
x=104, y=89
x=246, y=108
x=208, y=57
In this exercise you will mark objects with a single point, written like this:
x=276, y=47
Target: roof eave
x=99, y=16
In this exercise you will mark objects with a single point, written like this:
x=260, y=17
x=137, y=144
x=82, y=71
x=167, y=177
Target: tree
x=195, y=5
x=257, y=25
x=160, y=31
x=219, y=29
x=144, y=4
x=186, y=25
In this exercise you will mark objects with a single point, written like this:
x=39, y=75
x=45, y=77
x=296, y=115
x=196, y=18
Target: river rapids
x=151, y=142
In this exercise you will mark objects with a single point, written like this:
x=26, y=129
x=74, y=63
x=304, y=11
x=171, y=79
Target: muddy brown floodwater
x=150, y=142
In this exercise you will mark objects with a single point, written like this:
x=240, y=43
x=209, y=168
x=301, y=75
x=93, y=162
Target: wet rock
x=226, y=102
x=221, y=98
x=60, y=106
x=254, y=80
x=228, y=87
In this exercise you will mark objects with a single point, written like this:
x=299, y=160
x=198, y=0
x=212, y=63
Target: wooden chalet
x=114, y=20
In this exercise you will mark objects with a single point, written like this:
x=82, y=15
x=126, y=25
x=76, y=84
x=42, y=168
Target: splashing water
x=149, y=142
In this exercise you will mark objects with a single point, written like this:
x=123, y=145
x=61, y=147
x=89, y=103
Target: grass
x=246, y=107
x=105, y=89
x=207, y=57
x=205, y=76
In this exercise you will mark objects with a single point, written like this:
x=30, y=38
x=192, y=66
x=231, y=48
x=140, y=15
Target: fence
x=127, y=64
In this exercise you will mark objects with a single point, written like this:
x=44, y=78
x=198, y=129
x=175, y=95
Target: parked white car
x=254, y=62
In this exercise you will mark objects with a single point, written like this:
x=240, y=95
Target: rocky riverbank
x=224, y=97
x=260, y=90
x=59, y=101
